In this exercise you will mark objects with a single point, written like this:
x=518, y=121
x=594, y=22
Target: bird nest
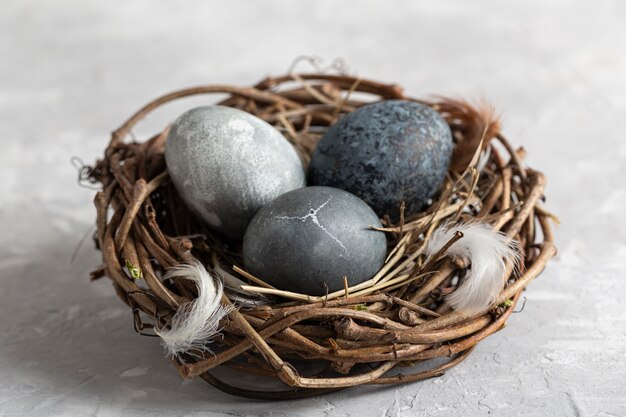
x=388, y=331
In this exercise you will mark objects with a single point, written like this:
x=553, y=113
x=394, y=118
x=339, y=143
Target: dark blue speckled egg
x=308, y=239
x=386, y=153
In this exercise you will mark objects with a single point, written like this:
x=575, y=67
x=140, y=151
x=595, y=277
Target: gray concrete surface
x=71, y=71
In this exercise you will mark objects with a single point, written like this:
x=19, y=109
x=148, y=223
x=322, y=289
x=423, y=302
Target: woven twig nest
x=400, y=319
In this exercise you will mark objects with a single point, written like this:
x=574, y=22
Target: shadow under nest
x=362, y=336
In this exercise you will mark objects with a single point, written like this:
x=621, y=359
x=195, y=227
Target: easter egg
x=226, y=164
x=308, y=239
x=385, y=153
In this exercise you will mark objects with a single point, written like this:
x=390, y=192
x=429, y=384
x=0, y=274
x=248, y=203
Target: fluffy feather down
x=488, y=251
x=481, y=124
x=196, y=322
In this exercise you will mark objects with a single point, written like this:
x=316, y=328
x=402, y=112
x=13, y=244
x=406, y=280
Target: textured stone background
x=71, y=71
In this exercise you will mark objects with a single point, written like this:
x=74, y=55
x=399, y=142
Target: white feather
x=195, y=323
x=488, y=251
x=241, y=298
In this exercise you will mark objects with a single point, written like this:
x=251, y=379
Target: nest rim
x=137, y=242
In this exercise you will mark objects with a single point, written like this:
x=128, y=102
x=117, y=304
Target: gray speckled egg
x=311, y=236
x=226, y=164
x=385, y=153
